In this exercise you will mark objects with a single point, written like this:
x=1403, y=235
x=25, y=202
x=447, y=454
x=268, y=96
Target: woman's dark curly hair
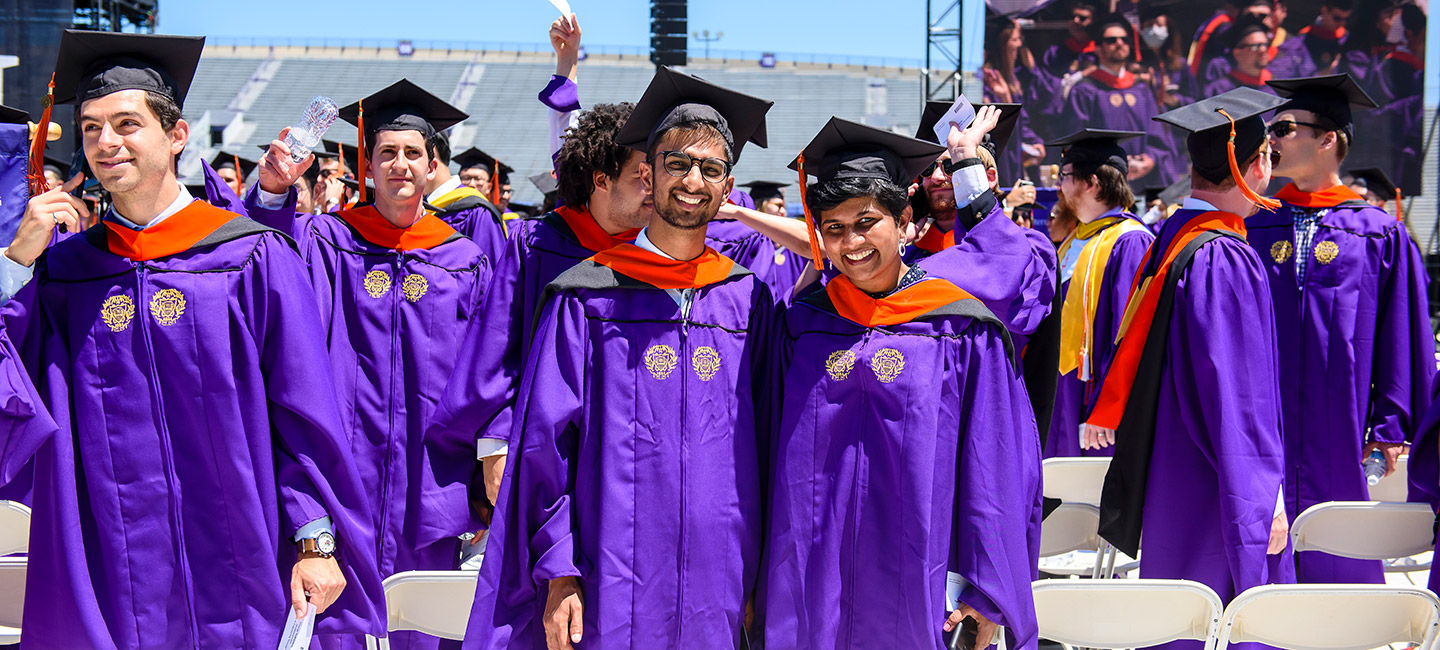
x=588, y=147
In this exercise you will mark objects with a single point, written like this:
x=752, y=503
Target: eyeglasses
x=1286, y=127
x=930, y=169
x=1254, y=47
x=1112, y=40
x=679, y=164
x=1083, y=19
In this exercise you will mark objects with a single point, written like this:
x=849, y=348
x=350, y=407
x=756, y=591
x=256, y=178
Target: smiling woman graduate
x=903, y=430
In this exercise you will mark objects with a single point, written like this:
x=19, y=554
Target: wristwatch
x=321, y=545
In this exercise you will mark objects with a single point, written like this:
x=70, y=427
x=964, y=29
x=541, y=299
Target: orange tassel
x=363, y=156
x=239, y=175
x=495, y=183
x=1399, y=214
x=815, y=255
x=340, y=146
x=35, y=174
x=1264, y=203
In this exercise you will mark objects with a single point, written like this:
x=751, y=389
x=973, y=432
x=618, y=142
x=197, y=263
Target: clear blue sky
x=880, y=28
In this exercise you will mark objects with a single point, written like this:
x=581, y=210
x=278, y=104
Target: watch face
x=325, y=543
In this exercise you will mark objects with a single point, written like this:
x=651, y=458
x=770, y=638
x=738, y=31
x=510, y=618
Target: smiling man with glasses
x=1349, y=290
x=630, y=512
x=1248, y=46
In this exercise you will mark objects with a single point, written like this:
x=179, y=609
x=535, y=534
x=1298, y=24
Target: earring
x=902, y=247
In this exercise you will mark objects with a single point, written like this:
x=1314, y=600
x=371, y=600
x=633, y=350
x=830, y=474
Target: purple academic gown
x=14, y=187
x=1218, y=460
x=635, y=466
x=198, y=434
x=391, y=318
x=775, y=266
x=1357, y=356
x=1072, y=399
x=479, y=400
x=892, y=466
x=476, y=218
x=1098, y=106
x=1424, y=467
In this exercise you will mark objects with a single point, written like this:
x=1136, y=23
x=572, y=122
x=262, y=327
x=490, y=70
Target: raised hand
x=277, y=170
x=43, y=213
x=963, y=144
x=565, y=40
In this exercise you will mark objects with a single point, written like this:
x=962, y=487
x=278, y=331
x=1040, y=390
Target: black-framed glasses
x=930, y=169
x=1112, y=40
x=679, y=164
x=1286, y=127
x=1254, y=47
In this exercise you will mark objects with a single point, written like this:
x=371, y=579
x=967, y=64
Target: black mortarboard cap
x=352, y=154
x=223, y=159
x=765, y=190
x=546, y=183
x=1375, y=180
x=845, y=149
x=1155, y=8
x=96, y=64
x=1210, y=129
x=1177, y=191
x=1095, y=147
x=1101, y=23
x=10, y=115
x=1332, y=96
x=674, y=97
x=995, y=140
x=1243, y=26
x=474, y=157
x=404, y=106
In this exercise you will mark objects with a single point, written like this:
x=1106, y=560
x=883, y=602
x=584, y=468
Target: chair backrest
x=1125, y=613
x=12, y=593
x=1366, y=530
x=434, y=602
x=1332, y=617
x=1075, y=480
x=1395, y=487
x=14, y=527
x=1071, y=527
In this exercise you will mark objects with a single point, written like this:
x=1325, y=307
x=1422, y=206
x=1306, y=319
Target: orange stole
x=902, y=306
x=664, y=273
x=588, y=231
x=1139, y=315
x=178, y=233
x=428, y=232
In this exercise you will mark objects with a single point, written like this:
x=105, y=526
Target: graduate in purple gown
x=1098, y=263
x=1402, y=72
x=871, y=521
x=1111, y=97
x=200, y=484
x=1192, y=395
x=1317, y=46
x=397, y=288
x=630, y=515
x=1349, y=288
x=605, y=205
x=468, y=207
x=1247, y=46
x=14, y=167
x=1368, y=43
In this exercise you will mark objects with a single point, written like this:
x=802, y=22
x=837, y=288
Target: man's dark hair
x=1114, y=190
x=1342, y=5
x=705, y=131
x=164, y=108
x=440, y=148
x=827, y=195
x=1413, y=18
x=590, y=147
x=1088, y=5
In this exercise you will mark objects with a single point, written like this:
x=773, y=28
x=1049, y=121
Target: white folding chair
x=1332, y=617
x=1071, y=527
x=14, y=528
x=1080, y=481
x=433, y=602
x=12, y=598
x=1126, y=613
x=1395, y=487
x=1366, y=530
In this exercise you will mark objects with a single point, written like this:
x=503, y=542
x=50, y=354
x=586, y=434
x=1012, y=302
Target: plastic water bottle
x=1374, y=468
x=305, y=136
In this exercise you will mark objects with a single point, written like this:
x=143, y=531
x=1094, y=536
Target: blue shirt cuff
x=314, y=528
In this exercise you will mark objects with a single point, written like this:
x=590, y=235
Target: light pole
x=705, y=37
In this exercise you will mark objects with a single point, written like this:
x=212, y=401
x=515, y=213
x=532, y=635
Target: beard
x=668, y=210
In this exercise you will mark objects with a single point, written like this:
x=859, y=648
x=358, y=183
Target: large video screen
x=1116, y=64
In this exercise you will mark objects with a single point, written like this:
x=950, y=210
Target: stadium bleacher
x=507, y=120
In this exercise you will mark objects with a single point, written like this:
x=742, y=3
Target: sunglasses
x=1286, y=127
x=679, y=164
x=1113, y=40
x=1254, y=47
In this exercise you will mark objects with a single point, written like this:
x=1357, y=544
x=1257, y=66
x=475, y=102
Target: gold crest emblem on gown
x=415, y=286
x=117, y=312
x=660, y=360
x=706, y=362
x=1116, y=100
x=839, y=364
x=167, y=306
x=1281, y=251
x=887, y=364
x=1130, y=101
x=1326, y=252
x=377, y=283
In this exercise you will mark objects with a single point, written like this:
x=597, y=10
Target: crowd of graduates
x=654, y=416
